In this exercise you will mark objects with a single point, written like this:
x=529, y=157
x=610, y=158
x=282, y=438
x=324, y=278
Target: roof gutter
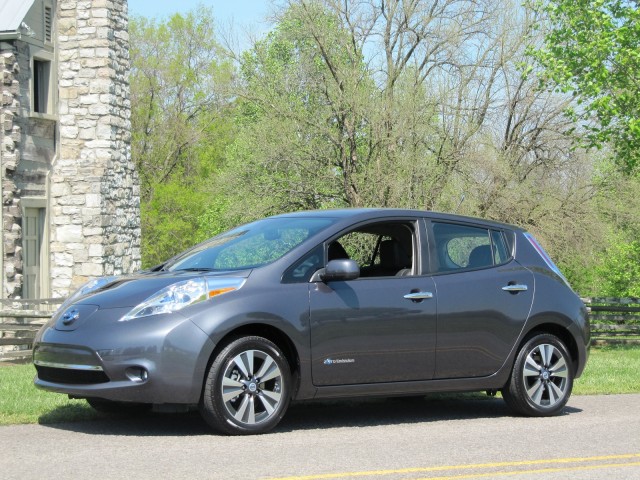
x=10, y=35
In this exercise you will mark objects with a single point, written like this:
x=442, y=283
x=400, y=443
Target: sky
x=246, y=16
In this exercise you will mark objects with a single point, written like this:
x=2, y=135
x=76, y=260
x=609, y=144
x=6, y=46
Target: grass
x=610, y=370
x=21, y=402
x=613, y=369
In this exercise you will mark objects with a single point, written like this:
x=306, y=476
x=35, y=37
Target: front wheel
x=247, y=389
x=542, y=378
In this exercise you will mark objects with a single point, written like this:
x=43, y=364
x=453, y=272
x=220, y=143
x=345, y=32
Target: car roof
x=362, y=214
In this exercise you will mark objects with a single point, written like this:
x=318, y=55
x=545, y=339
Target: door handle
x=418, y=295
x=515, y=288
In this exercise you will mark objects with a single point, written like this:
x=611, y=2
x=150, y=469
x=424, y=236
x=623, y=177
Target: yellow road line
x=540, y=470
x=446, y=468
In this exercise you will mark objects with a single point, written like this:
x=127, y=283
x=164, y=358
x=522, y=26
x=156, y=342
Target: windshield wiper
x=195, y=269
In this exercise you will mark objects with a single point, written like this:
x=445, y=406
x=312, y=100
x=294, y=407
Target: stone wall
x=10, y=138
x=28, y=147
x=95, y=207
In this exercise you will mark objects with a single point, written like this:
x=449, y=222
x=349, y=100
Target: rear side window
x=500, y=251
x=463, y=247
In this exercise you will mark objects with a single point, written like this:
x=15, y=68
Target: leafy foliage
x=180, y=101
x=592, y=50
x=620, y=270
x=300, y=116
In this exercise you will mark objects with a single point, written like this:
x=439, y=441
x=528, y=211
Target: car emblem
x=70, y=316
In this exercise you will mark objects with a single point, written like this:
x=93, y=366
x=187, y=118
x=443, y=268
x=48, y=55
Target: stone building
x=70, y=193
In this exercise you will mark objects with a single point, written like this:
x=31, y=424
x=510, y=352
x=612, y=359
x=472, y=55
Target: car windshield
x=249, y=246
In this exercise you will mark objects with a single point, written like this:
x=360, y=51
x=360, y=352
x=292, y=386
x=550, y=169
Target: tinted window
x=467, y=247
x=381, y=249
x=500, y=251
x=303, y=269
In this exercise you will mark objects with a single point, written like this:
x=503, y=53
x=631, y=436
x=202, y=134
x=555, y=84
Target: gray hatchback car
x=324, y=304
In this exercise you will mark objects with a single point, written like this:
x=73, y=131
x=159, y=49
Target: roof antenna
x=460, y=203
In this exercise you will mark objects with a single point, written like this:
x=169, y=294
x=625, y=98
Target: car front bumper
x=159, y=360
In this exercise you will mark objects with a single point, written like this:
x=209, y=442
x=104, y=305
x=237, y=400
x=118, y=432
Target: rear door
x=484, y=298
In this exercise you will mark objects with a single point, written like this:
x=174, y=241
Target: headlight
x=182, y=294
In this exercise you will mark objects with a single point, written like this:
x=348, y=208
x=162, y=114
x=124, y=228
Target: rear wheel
x=247, y=389
x=542, y=377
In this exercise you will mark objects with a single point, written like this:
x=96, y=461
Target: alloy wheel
x=545, y=375
x=251, y=387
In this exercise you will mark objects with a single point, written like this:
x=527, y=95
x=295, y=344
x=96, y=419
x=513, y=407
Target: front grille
x=75, y=377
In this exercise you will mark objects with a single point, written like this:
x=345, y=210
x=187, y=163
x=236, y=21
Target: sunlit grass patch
x=21, y=402
x=610, y=369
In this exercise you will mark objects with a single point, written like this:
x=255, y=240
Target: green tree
x=325, y=124
x=182, y=121
x=592, y=50
x=300, y=120
x=620, y=270
x=406, y=104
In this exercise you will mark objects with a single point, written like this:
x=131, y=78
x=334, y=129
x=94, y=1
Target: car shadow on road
x=394, y=411
x=311, y=415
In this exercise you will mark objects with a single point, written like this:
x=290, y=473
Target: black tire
x=247, y=388
x=118, y=408
x=542, y=378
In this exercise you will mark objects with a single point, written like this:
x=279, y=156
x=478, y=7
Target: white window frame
x=47, y=57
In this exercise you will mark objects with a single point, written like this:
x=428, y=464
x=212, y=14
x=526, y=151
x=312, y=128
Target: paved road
x=434, y=437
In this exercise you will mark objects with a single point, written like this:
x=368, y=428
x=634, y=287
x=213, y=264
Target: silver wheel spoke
x=273, y=372
x=231, y=389
x=242, y=363
x=553, y=397
x=546, y=352
x=268, y=406
x=268, y=362
x=555, y=393
x=531, y=368
x=242, y=409
x=560, y=368
x=536, y=391
x=251, y=418
x=274, y=396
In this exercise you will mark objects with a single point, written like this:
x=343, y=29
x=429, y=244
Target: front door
x=365, y=331
x=374, y=329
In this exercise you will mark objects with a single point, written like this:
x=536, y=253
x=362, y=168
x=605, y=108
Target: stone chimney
x=94, y=188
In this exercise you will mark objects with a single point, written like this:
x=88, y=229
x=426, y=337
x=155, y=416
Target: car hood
x=131, y=290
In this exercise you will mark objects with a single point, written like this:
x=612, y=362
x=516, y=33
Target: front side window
x=380, y=249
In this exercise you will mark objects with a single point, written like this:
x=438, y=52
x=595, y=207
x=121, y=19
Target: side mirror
x=341, y=270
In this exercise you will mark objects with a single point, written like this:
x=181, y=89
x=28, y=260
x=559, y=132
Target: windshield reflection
x=250, y=246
